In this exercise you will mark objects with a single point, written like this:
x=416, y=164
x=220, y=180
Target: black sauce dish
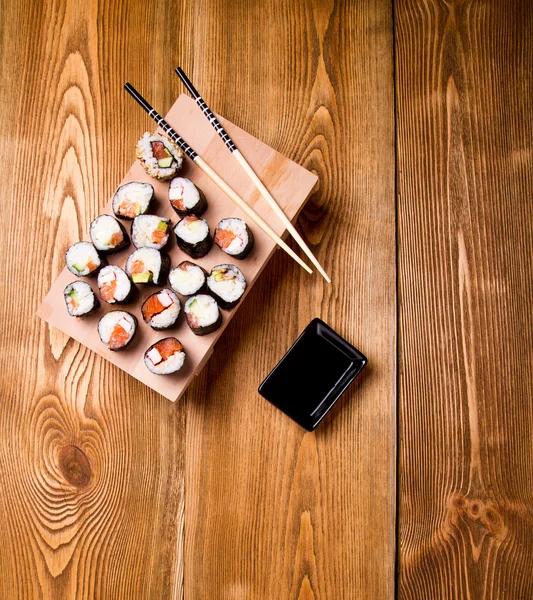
x=313, y=374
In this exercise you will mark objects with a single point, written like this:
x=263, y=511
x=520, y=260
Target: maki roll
x=159, y=156
x=193, y=237
x=185, y=198
x=117, y=329
x=83, y=260
x=80, y=299
x=234, y=237
x=203, y=315
x=148, y=265
x=150, y=231
x=114, y=285
x=108, y=235
x=188, y=279
x=165, y=357
x=161, y=310
x=226, y=284
x=132, y=199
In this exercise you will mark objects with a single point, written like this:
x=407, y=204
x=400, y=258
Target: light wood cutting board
x=289, y=183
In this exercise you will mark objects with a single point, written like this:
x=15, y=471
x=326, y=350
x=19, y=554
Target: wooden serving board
x=289, y=183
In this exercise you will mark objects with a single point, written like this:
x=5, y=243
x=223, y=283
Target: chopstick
x=198, y=160
x=230, y=144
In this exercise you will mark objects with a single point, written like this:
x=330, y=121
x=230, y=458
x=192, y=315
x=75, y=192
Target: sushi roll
x=193, y=237
x=108, y=235
x=117, y=329
x=159, y=156
x=148, y=265
x=226, y=284
x=150, y=231
x=234, y=237
x=80, y=299
x=84, y=260
x=185, y=198
x=165, y=357
x=161, y=310
x=203, y=315
x=114, y=285
x=132, y=199
x=188, y=279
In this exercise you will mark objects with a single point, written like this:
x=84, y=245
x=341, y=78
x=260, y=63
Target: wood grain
x=273, y=512
x=465, y=99
x=91, y=463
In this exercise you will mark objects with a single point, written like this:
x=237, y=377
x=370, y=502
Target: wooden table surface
x=416, y=116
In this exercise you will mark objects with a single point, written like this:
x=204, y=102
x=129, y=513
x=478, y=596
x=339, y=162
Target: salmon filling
x=168, y=347
x=152, y=307
x=158, y=236
x=108, y=289
x=119, y=337
x=224, y=237
x=159, y=150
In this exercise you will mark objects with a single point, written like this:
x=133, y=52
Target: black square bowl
x=313, y=375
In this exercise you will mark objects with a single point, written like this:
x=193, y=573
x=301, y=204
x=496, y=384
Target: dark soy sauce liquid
x=307, y=376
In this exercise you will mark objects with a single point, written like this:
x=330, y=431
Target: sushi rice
x=165, y=356
x=155, y=167
x=117, y=329
x=80, y=299
x=227, y=284
x=114, y=285
x=187, y=278
x=161, y=309
x=84, y=260
x=234, y=237
x=108, y=235
x=203, y=315
x=132, y=199
x=185, y=198
x=148, y=265
x=150, y=231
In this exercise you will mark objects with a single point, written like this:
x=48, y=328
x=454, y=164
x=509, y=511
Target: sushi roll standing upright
x=83, y=260
x=148, y=265
x=114, y=285
x=159, y=156
x=193, y=237
x=202, y=314
x=234, y=237
x=108, y=235
x=80, y=299
x=132, y=199
x=161, y=309
x=226, y=284
x=188, y=279
x=117, y=329
x=165, y=356
x=185, y=198
x=150, y=231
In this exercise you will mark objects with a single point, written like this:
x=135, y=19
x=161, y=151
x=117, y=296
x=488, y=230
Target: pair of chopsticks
x=221, y=183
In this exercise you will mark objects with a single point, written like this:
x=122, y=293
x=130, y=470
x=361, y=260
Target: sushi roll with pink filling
x=193, y=236
x=150, y=231
x=132, y=199
x=185, y=198
x=117, y=329
x=165, y=357
x=188, y=279
x=161, y=309
x=114, y=285
x=234, y=237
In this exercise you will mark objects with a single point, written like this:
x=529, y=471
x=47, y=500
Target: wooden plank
x=464, y=98
x=291, y=185
x=91, y=461
x=271, y=511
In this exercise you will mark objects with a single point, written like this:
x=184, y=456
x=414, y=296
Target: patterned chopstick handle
x=215, y=123
x=172, y=134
